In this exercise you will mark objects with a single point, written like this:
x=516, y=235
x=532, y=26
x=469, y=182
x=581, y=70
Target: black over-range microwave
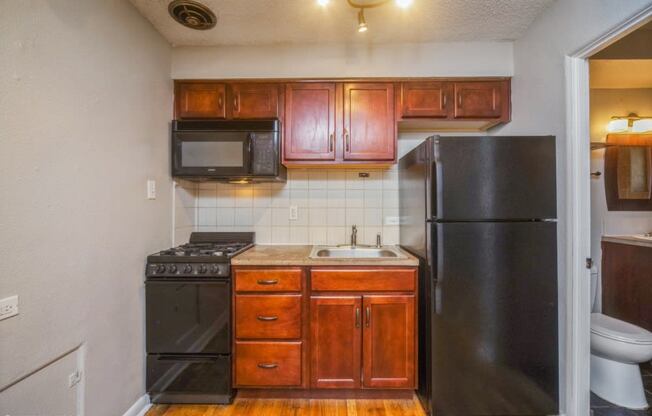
x=227, y=150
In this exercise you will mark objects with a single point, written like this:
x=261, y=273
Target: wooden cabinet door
x=336, y=341
x=251, y=101
x=389, y=341
x=369, y=128
x=480, y=99
x=424, y=99
x=200, y=100
x=309, y=121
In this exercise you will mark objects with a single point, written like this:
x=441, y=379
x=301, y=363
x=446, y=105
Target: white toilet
x=617, y=348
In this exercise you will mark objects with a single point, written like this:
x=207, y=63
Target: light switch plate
x=8, y=307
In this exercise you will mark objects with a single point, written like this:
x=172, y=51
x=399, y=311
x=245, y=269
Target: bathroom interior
x=621, y=226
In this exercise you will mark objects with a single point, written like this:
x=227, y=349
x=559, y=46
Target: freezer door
x=494, y=178
x=414, y=170
x=494, y=320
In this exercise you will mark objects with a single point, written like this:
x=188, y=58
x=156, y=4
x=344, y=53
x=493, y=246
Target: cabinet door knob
x=357, y=317
x=347, y=140
x=267, y=282
x=368, y=316
x=267, y=366
x=331, y=142
x=266, y=318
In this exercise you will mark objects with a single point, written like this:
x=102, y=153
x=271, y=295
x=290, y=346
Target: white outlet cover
x=294, y=212
x=391, y=220
x=8, y=307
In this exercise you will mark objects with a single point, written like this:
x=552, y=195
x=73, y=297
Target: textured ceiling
x=261, y=22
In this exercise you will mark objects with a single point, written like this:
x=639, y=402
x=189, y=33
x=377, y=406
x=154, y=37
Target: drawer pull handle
x=268, y=282
x=266, y=366
x=267, y=318
x=368, y=313
x=357, y=317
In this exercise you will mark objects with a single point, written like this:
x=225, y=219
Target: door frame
x=578, y=209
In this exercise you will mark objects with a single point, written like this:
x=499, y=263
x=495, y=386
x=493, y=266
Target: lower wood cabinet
x=349, y=328
x=362, y=341
x=268, y=364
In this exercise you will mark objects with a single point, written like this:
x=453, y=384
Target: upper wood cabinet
x=200, y=100
x=425, y=99
x=251, y=101
x=369, y=127
x=215, y=100
x=389, y=341
x=480, y=100
x=309, y=121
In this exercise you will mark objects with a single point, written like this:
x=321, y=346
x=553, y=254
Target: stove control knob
x=215, y=268
x=203, y=269
x=160, y=268
x=187, y=268
x=172, y=268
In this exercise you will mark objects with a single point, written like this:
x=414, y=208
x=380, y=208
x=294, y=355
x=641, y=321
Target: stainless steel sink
x=358, y=252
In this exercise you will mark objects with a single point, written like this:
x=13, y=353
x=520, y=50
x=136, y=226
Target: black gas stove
x=188, y=319
x=207, y=255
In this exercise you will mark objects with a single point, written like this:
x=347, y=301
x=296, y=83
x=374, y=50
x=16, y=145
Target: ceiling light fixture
x=361, y=5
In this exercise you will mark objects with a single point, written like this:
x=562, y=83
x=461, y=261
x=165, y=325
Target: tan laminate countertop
x=627, y=239
x=273, y=255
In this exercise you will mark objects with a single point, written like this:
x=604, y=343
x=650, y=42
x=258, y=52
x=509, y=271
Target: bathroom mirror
x=628, y=175
x=633, y=172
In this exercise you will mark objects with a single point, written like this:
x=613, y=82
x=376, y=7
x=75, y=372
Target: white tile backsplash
x=329, y=202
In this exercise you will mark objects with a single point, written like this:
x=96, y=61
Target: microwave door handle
x=250, y=138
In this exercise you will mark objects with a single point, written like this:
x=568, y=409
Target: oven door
x=189, y=379
x=188, y=316
x=211, y=153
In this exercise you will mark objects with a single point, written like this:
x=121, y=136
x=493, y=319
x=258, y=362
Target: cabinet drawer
x=267, y=363
x=270, y=280
x=363, y=280
x=268, y=316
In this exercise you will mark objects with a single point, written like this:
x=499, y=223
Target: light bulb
x=362, y=24
x=403, y=4
x=323, y=2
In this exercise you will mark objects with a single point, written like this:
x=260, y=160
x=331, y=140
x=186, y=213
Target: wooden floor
x=295, y=407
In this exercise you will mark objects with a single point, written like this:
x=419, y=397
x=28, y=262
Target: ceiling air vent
x=192, y=14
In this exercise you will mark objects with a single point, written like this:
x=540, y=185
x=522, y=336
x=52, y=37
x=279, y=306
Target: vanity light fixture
x=632, y=123
x=361, y=5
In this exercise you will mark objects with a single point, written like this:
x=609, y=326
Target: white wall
x=538, y=89
x=85, y=102
x=339, y=60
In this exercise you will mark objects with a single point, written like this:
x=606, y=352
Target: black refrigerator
x=480, y=213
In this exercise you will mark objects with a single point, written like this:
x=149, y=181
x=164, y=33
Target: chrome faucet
x=354, y=236
x=378, y=241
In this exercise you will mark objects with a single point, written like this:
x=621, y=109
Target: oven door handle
x=175, y=357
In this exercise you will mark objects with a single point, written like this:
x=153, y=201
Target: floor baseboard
x=140, y=407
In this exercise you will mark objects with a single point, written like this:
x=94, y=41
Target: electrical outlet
x=151, y=189
x=294, y=212
x=8, y=307
x=391, y=220
x=74, y=378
